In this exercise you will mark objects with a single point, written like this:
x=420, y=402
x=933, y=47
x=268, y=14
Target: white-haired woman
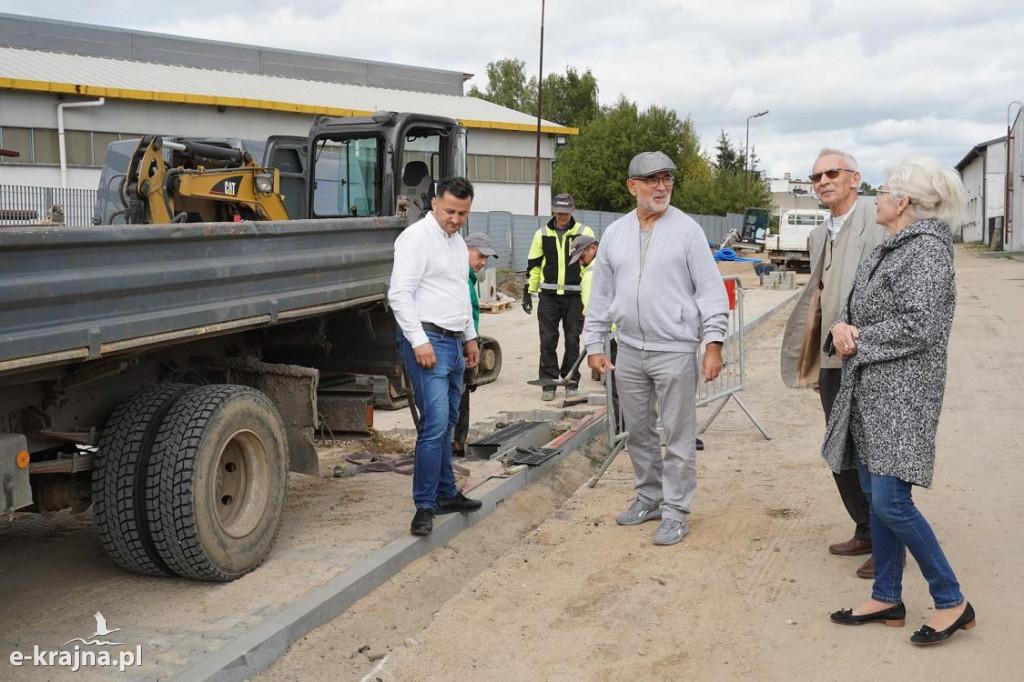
x=893, y=336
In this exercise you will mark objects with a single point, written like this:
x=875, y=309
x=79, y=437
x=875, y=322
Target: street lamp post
x=540, y=95
x=746, y=151
x=1008, y=194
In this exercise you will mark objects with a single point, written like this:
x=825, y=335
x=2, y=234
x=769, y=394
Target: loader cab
x=755, y=226
x=362, y=165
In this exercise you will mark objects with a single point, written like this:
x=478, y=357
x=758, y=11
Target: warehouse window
x=16, y=140
x=100, y=142
x=41, y=146
x=44, y=146
x=514, y=169
x=78, y=147
x=483, y=168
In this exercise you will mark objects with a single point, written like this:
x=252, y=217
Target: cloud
x=879, y=78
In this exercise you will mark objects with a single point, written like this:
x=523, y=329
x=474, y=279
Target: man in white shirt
x=430, y=300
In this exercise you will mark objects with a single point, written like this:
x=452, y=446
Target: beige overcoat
x=801, y=342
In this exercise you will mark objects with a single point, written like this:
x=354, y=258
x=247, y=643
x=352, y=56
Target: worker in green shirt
x=480, y=251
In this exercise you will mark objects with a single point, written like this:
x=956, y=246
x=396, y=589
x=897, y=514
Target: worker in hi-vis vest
x=559, y=284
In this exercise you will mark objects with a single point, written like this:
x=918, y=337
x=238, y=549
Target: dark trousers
x=848, y=481
x=553, y=309
x=462, y=426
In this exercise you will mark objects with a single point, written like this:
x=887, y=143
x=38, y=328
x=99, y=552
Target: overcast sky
x=882, y=79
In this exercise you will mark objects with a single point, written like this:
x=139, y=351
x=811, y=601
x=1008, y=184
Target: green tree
x=593, y=164
x=570, y=99
x=727, y=159
x=868, y=190
x=508, y=86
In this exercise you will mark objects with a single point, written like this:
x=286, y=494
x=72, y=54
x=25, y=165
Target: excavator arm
x=203, y=183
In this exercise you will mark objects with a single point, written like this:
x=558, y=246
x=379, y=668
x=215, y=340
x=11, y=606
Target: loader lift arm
x=202, y=183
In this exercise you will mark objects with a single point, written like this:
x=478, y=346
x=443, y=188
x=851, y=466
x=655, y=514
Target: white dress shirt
x=429, y=282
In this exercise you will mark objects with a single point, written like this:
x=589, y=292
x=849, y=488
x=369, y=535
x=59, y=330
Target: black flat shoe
x=894, y=617
x=459, y=503
x=423, y=522
x=928, y=635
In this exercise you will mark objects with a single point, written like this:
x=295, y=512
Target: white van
x=790, y=245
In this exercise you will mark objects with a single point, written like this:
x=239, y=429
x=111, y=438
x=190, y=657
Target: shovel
x=565, y=381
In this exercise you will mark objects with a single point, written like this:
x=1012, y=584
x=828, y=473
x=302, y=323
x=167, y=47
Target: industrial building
x=983, y=170
x=67, y=90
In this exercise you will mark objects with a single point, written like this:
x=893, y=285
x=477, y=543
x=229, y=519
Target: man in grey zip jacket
x=655, y=278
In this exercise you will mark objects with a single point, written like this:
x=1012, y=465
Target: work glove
x=527, y=300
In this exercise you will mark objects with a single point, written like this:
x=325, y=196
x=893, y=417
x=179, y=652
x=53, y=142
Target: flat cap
x=481, y=241
x=649, y=163
x=579, y=245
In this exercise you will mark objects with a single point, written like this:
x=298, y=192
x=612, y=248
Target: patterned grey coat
x=890, y=398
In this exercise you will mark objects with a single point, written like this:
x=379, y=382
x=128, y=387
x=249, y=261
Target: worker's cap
x=649, y=163
x=481, y=241
x=579, y=245
x=562, y=203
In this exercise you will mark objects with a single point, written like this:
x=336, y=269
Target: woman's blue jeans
x=437, y=392
x=898, y=526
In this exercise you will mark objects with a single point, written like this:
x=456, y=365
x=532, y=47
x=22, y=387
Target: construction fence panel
x=732, y=378
x=498, y=226
x=23, y=204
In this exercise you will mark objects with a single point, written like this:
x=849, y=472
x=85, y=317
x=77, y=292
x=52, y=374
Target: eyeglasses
x=654, y=181
x=882, y=191
x=831, y=173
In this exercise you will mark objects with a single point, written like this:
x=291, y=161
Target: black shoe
x=423, y=522
x=700, y=444
x=927, y=635
x=459, y=503
x=895, y=616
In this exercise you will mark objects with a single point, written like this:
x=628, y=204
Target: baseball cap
x=562, y=203
x=481, y=241
x=579, y=245
x=649, y=163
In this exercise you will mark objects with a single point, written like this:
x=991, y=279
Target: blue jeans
x=437, y=392
x=898, y=526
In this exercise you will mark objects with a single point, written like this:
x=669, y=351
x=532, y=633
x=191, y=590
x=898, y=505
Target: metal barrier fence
x=512, y=234
x=733, y=377
x=22, y=204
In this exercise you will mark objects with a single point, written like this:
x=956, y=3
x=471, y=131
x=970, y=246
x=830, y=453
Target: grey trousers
x=649, y=383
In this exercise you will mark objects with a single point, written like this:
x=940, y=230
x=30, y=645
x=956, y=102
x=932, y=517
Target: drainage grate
x=521, y=433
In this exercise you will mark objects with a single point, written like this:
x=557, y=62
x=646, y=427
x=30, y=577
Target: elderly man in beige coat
x=837, y=247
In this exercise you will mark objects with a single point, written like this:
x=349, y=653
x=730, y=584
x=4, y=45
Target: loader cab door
x=288, y=154
x=347, y=176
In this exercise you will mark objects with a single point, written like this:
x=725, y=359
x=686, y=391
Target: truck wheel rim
x=242, y=486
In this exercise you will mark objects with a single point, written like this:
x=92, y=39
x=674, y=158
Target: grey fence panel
x=22, y=204
x=523, y=229
x=715, y=226
x=85, y=292
x=735, y=221
x=498, y=226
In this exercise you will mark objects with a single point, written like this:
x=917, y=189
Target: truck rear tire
x=119, y=479
x=217, y=482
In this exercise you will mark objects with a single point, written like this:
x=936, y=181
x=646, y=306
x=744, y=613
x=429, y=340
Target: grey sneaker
x=548, y=394
x=641, y=510
x=571, y=392
x=670, y=532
